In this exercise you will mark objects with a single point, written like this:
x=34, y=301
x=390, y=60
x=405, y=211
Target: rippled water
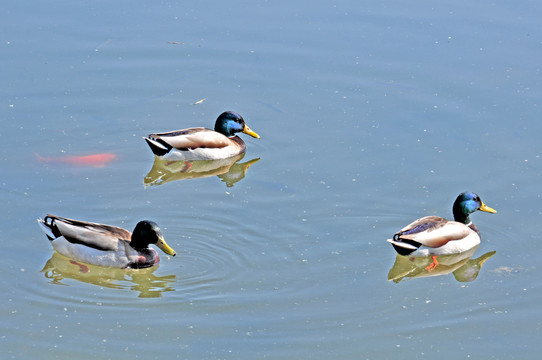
x=371, y=115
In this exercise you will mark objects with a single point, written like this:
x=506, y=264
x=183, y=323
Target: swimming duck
x=105, y=245
x=201, y=143
x=433, y=235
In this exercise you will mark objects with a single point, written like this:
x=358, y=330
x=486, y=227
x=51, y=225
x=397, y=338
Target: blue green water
x=370, y=114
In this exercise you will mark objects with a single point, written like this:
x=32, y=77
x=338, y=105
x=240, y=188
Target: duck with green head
x=105, y=245
x=202, y=143
x=433, y=235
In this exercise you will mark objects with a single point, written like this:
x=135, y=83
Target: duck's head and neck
x=229, y=123
x=467, y=203
x=147, y=232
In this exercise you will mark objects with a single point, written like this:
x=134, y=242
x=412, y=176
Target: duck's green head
x=467, y=203
x=229, y=123
x=147, y=232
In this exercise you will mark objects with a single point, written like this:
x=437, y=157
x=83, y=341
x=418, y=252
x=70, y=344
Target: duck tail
x=402, y=248
x=47, y=228
x=158, y=148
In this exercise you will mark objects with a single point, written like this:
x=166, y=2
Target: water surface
x=371, y=115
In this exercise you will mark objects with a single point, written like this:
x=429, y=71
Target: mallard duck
x=105, y=245
x=201, y=143
x=433, y=235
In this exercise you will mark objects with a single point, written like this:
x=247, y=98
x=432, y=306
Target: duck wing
x=94, y=235
x=433, y=231
x=192, y=138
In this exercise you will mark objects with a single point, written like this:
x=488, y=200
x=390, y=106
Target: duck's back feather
x=433, y=231
x=192, y=138
x=97, y=236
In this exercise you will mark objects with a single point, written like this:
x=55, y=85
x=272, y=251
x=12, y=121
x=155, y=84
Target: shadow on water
x=60, y=268
x=462, y=266
x=229, y=170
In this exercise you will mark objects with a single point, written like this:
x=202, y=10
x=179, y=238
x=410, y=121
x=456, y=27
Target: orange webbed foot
x=433, y=265
x=187, y=166
x=82, y=268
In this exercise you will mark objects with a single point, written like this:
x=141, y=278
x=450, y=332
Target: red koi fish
x=96, y=160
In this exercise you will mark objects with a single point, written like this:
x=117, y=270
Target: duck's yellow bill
x=161, y=243
x=247, y=130
x=486, y=208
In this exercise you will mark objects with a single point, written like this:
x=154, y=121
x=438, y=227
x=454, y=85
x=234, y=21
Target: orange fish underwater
x=96, y=160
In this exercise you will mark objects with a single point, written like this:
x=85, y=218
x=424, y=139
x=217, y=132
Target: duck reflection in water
x=229, y=170
x=462, y=266
x=59, y=268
